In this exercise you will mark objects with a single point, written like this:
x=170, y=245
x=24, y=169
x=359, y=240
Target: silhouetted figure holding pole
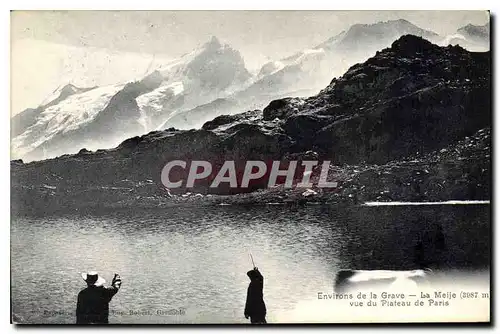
x=255, y=308
x=93, y=301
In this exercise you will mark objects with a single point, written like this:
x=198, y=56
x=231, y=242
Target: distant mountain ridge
x=104, y=116
x=475, y=31
x=211, y=80
x=308, y=71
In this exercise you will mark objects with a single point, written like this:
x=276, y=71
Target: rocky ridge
x=411, y=123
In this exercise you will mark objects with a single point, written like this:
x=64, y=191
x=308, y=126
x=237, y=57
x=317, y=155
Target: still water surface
x=196, y=259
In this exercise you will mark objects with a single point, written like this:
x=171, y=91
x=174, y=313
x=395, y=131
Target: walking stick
x=251, y=257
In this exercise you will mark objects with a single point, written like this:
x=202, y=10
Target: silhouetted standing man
x=255, y=308
x=93, y=301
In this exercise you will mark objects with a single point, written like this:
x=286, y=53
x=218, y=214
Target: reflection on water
x=197, y=259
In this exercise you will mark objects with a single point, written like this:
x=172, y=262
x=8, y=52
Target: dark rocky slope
x=410, y=123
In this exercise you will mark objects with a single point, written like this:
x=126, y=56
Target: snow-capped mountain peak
x=72, y=118
x=212, y=71
x=213, y=43
x=61, y=93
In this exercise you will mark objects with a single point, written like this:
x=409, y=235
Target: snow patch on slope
x=451, y=202
x=153, y=100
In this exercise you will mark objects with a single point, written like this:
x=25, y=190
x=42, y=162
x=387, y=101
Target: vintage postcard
x=250, y=167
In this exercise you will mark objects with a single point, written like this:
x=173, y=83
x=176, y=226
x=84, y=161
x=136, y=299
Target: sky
x=88, y=48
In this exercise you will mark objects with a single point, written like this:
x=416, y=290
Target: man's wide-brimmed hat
x=93, y=278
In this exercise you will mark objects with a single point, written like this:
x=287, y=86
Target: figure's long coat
x=255, y=306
